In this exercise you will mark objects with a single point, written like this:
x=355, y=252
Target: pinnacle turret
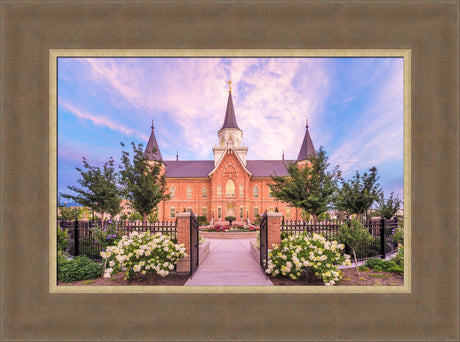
x=307, y=149
x=152, y=151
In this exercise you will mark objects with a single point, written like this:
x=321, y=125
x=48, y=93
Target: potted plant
x=230, y=219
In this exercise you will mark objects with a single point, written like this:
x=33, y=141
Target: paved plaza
x=229, y=263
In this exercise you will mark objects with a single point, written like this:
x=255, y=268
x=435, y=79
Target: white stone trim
x=273, y=214
x=231, y=149
x=183, y=214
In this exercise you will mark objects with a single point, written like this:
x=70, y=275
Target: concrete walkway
x=229, y=263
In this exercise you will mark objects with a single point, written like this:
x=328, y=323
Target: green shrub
x=398, y=236
x=106, y=235
x=396, y=269
x=202, y=221
x=363, y=268
x=153, y=217
x=308, y=253
x=141, y=253
x=381, y=265
x=63, y=239
x=88, y=246
x=135, y=216
x=80, y=268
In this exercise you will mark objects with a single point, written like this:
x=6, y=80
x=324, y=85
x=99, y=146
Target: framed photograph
x=359, y=105
x=37, y=36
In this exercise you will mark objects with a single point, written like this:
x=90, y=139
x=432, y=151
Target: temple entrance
x=230, y=210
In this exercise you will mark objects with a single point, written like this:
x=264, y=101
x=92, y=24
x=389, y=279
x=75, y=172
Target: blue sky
x=354, y=107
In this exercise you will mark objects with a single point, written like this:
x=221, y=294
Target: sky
x=354, y=108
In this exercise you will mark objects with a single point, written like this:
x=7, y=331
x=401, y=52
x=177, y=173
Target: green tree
x=304, y=215
x=143, y=184
x=135, y=216
x=70, y=213
x=153, y=217
x=388, y=207
x=99, y=190
x=354, y=235
x=357, y=194
x=309, y=188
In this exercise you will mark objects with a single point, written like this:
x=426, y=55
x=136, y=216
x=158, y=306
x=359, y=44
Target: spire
x=307, y=149
x=152, y=151
x=230, y=119
x=283, y=156
x=177, y=155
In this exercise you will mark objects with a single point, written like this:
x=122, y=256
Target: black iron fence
x=381, y=230
x=91, y=237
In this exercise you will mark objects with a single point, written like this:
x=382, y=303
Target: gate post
x=382, y=237
x=76, y=237
x=274, y=229
x=183, y=237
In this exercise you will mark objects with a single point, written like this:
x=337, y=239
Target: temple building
x=228, y=185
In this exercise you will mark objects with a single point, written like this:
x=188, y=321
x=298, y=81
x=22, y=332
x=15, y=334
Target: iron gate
x=194, y=243
x=263, y=242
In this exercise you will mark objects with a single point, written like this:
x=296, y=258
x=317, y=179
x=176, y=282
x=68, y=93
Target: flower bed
x=313, y=254
x=227, y=228
x=142, y=253
x=229, y=232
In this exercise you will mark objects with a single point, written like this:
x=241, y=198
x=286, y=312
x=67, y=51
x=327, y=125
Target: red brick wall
x=229, y=168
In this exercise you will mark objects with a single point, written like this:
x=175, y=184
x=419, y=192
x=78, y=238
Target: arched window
x=241, y=212
x=205, y=212
x=219, y=190
x=172, y=192
x=241, y=190
x=189, y=192
x=204, y=192
x=256, y=212
x=230, y=188
x=173, y=212
x=256, y=192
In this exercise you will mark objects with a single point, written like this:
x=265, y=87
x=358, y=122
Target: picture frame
x=30, y=29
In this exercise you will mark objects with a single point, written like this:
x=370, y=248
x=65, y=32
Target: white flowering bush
x=308, y=253
x=141, y=253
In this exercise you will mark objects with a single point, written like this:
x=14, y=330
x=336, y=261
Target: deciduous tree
x=309, y=188
x=99, y=189
x=357, y=194
x=354, y=235
x=388, y=207
x=70, y=213
x=143, y=184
